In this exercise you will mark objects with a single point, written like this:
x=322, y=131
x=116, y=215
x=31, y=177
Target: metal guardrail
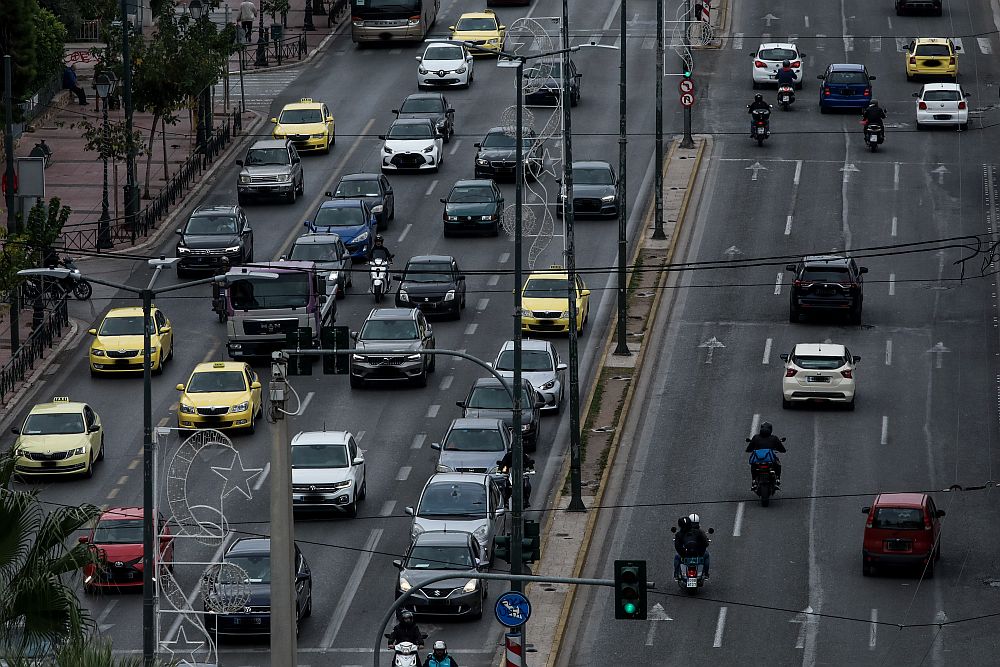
x=44, y=335
x=84, y=236
x=288, y=48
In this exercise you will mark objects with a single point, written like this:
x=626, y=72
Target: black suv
x=432, y=106
x=432, y=283
x=543, y=84
x=931, y=6
x=211, y=234
x=826, y=283
x=395, y=337
x=488, y=399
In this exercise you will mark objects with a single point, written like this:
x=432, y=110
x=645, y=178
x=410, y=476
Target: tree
x=50, y=42
x=17, y=39
x=25, y=250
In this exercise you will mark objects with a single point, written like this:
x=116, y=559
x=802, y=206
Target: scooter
x=786, y=96
x=378, y=272
x=691, y=575
x=764, y=474
x=80, y=288
x=405, y=654
x=507, y=486
x=874, y=135
x=760, y=126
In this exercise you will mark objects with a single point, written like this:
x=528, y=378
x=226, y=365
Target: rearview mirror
x=398, y=564
x=84, y=539
x=274, y=120
x=866, y=510
x=239, y=162
x=789, y=267
x=397, y=277
x=561, y=366
x=13, y=429
x=178, y=231
x=436, y=445
x=821, y=76
x=477, y=145
x=460, y=404
x=395, y=111
x=585, y=292
x=419, y=59
x=354, y=335
x=377, y=209
x=940, y=513
x=871, y=77
x=863, y=269
x=180, y=387
x=443, y=200
x=358, y=460
x=673, y=529
x=711, y=531
x=915, y=94
x=328, y=193
x=255, y=384
x=784, y=357
x=857, y=358
x=450, y=110
x=408, y=510
x=382, y=137
x=92, y=332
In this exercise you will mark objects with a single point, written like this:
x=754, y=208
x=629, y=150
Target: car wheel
x=158, y=368
x=356, y=382
x=756, y=86
x=363, y=491
x=421, y=380
x=392, y=212
x=100, y=452
x=302, y=186
x=463, y=302
x=89, y=472
x=352, y=509
x=785, y=403
x=823, y=109
x=478, y=613
x=929, y=570
x=341, y=292
x=920, y=126
x=793, y=315
x=433, y=365
x=963, y=126
x=866, y=569
x=253, y=424
x=850, y=405
x=170, y=357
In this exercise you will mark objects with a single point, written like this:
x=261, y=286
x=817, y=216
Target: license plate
x=942, y=116
x=785, y=98
x=872, y=137
x=122, y=362
x=48, y=464
x=817, y=378
x=237, y=621
x=692, y=583
x=547, y=322
x=314, y=499
x=258, y=620
x=760, y=130
x=212, y=418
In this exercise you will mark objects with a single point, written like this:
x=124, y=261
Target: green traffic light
x=629, y=607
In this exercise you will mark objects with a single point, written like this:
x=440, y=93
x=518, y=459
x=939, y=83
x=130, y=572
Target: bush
x=50, y=42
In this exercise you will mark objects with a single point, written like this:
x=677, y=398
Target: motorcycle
x=691, y=575
x=764, y=474
x=80, y=288
x=219, y=302
x=786, y=96
x=874, y=135
x=760, y=126
x=405, y=654
x=378, y=273
x=507, y=485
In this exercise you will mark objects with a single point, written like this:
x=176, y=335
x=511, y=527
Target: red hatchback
x=117, y=539
x=902, y=529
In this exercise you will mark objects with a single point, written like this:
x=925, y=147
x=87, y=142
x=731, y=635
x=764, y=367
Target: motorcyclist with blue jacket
x=766, y=440
x=786, y=76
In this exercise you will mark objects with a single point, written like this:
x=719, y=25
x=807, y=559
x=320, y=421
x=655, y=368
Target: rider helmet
x=440, y=645
x=766, y=429
x=379, y=239
x=758, y=98
x=406, y=616
x=694, y=519
x=874, y=104
x=786, y=64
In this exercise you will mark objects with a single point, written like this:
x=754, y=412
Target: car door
x=94, y=430
x=357, y=471
x=164, y=331
x=303, y=581
x=388, y=199
x=426, y=332
x=251, y=377
x=328, y=119
x=498, y=515
x=459, y=280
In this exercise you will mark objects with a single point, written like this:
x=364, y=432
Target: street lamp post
x=658, y=232
x=105, y=88
x=131, y=190
x=621, y=347
x=261, y=60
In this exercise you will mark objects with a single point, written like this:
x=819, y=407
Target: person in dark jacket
x=406, y=631
x=766, y=440
x=873, y=114
x=786, y=76
x=758, y=103
x=380, y=251
x=506, y=463
x=70, y=82
x=690, y=542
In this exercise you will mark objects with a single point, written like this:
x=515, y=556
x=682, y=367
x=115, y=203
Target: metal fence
x=84, y=236
x=47, y=331
x=38, y=103
x=277, y=51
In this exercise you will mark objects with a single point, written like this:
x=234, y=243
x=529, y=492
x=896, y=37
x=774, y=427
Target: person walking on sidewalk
x=69, y=82
x=248, y=12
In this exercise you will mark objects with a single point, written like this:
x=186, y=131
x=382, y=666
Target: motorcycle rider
x=786, y=76
x=690, y=542
x=757, y=104
x=380, y=251
x=406, y=631
x=873, y=113
x=219, y=289
x=765, y=439
x=440, y=657
x=507, y=463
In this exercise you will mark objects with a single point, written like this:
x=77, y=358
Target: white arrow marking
x=711, y=344
x=732, y=252
x=656, y=614
x=101, y=625
x=939, y=349
x=768, y=18
x=848, y=169
x=756, y=167
x=802, y=619
x=940, y=171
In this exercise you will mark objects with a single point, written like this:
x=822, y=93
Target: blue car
x=845, y=86
x=353, y=220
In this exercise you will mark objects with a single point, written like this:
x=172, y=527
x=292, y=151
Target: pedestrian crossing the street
x=260, y=88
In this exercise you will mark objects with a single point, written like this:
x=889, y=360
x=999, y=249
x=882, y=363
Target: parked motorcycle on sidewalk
x=378, y=273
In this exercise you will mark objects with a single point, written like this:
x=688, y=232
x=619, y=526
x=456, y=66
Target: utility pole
x=131, y=193
x=283, y=565
x=658, y=182
x=688, y=66
x=9, y=177
x=621, y=346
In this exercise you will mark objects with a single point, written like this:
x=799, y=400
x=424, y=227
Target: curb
x=28, y=383
x=312, y=54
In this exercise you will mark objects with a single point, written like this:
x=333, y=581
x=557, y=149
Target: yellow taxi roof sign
x=306, y=100
x=219, y=364
x=60, y=399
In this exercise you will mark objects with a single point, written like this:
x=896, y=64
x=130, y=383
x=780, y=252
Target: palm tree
x=85, y=652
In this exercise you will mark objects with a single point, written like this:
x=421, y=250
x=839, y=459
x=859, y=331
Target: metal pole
x=688, y=140
x=148, y=537
x=243, y=99
x=658, y=182
x=104, y=224
x=283, y=565
x=621, y=346
x=12, y=226
x=517, y=462
x=131, y=192
x=576, y=501
x=261, y=60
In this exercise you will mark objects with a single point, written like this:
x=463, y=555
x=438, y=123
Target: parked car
x=432, y=283
x=438, y=552
x=211, y=234
x=331, y=257
x=385, y=332
x=474, y=445
x=117, y=544
x=488, y=398
x=432, y=106
x=826, y=283
x=374, y=189
x=845, y=86
x=271, y=167
x=465, y=502
x=328, y=472
x=902, y=529
x=540, y=365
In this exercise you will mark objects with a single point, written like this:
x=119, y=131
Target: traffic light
x=299, y=339
x=630, y=590
x=501, y=547
x=335, y=338
x=531, y=542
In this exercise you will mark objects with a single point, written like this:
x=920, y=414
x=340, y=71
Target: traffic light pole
x=658, y=232
x=688, y=140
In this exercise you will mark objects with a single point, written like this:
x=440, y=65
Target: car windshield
x=930, y=50
x=495, y=397
x=118, y=531
x=258, y=157
x=439, y=558
x=428, y=272
x=124, y=326
x=314, y=252
x=402, y=5
x=592, y=176
x=53, y=423
x=410, y=131
x=467, y=194
x=503, y=140
x=357, y=188
x=546, y=69
x=898, y=518
x=257, y=567
x=288, y=290
x=777, y=54
x=531, y=360
x=296, y=116
x=847, y=77
x=340, y=216
x=547, y=288
x=466, y=499
x=208, y=382
x=211, y=225
x=830, y=274
x=474, y=440
x=476, y=24
x=389, y=330
x=942, y=96
x=817, y=363
x=444, y=53
x=320, y=456
x=422, y=105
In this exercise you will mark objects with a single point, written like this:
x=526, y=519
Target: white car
x=767, y=60
x=328, y=472
x=445, y=64
x=540, y=365
x=819, y=372
x=462, y=501
x=412, y=144
x=942, y=104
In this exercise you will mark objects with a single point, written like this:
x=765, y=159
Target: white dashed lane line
x=504, y=258
x=446, y=382
x=767, y=352
x=406, y=230
x=430, y=188
x=403, y=474
x=387, y=508
x=888, y=352
x=720, y=627
x=306, y=401
x=494, y=279
x=454, y=146
x=263, y=475
x=418, y=441
x=884, y=438
x=892, y=284
x=432, y=411
x=471, y=329
x=738, y=521
x=483, y=303
x=777, y=284
x=788, y=225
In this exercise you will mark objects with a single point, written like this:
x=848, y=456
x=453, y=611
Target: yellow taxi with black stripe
x=480, y=28
x=545, y=302
x=221, y=395
x=931, y=57
x=117, y=344
x=308, y=124
x=63, y=437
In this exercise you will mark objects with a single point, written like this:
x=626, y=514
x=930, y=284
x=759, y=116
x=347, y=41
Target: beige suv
x=271, y=168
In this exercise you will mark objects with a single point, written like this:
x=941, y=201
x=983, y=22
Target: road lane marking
x=134, y=464
x=754, y=423
x=895, y=176
x=767, y=352
x=504, y=258
x=806, y=19
x=122, y=480
x=873, y=630
x=471, y=329
x=777, y=284
x=163, y=422
x=305, y=402
x=901, y=44
x=895, y=225
x=884, y=439
x=494, y=279
x=984, y=45
x=432, y=411
x=820, y=42
x=418, y=441
x=483, y=303
x=364, y=557
x=738, y=41
x=798, y=172
x=455, y=145
x=446, y=382
x=403, y=474
x=720, y=627
x=738, y=521
x=387, y=508
x=892, y=284
x=263, y=475
x=957, y=41
x=788, y=225
x=104, y=616
x=113, y=493
x=430, y=188
x=360, y=436
x=875, y=44
x=810, y=625
x=406, y=230
x=888, y=352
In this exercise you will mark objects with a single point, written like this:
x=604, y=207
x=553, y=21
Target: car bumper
x=543, y=97
x=239, y=624
x=323, y=500
x=374, y=34
x=110, y=577
x=894, y=559
x=765, y=75
x=230, y=420
x=243, y=348
x=536, y=325
x=128, y=365
x=471, y=226
x=551, y=397
x=956, y=117
x=358, y=251
x=268, y=190
x=852, y=102
x=206, y=262
x=449, y=307
x=309, y=143
x=410, y=162
x=814, y=304
x=456, y=605
x=386, y=372
x=594, y=208
x=449, y=80
x=70, y=466
x=947, y=71
x=818, y=391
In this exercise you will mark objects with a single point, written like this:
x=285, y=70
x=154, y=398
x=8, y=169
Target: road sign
x=686, y=86
x=513, y=609
x=687, y=99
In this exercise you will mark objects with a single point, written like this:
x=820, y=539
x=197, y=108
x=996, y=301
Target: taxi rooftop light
x=60, y=399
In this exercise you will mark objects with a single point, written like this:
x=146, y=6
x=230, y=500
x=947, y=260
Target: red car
x=902, y=529
x=117, y=539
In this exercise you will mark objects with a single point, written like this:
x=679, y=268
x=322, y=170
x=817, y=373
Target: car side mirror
x=585, y=292
x=748, y=439
x=561, y=366
x=501, y=511
x=821, y=76
x=165, y=328
x=957, y=47
x=358, y=460
x=395, y=111
x=915, y=94
x=866, y=510
x=354, y=335
x=179, y=387
x=255, y=384
x=443, y=200
x=784, y=357
x=871, y=77
x=863, y=269
x=783, y=439
x=419, y=59
x=451, y=110
x=93, y=429
x=460, y=279
x=382, y=137
x=328, y=193
x=274, y=120
x=438, y=135
x=801, y=55
x=239, y=163
x=460, y=404
x=92, y=332
x=940, y=513
x=377, y=209
x=477, y=145
x=296, y=160
x=451, y=27
x=398, y=564
x=789, y=267
x=436, y=445
x=178, y=231
x=83, y=539
x=540, y=403
x=408, y=510
x=968, y=94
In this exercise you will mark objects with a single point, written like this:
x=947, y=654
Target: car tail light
x=759, y=63
x=922, y=106
x=692, y=571
x=797, y=283
x=826, y=91
x=961, y=105
x=847, y=374
x=790, y=372
x=853, y=286
x=951, y=61
x=868, y=92
x=796, y=63
x=913, y=61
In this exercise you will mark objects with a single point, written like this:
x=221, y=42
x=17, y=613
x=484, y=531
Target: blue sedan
x=353, y=220
x=845, y=86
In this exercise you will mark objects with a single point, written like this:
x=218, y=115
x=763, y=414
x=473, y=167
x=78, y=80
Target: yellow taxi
x=545, y=302
x=220, y=394
x=63, y=437
x=931, y=56
x=481, y=28
x=308, y=124
x=117, y=344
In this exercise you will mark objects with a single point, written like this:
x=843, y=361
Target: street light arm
x=516, y=56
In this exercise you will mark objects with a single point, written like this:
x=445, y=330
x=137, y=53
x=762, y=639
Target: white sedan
x=445, y=64
x=412, y=144
x=767, y=60
x=819, y=372
x=942, y=104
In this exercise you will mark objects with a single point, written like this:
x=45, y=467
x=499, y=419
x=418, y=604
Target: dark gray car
x=432, y=283
x=595, y=190
x=211, y=234
x=489, y=399
x=332, y=259
x=373, y=188
x=395, y=337
x=544, y=84
x=433, y=106
x=438, y=552
x=473, y=445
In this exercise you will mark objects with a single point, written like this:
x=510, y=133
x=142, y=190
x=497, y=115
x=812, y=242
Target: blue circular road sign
x=513, y=609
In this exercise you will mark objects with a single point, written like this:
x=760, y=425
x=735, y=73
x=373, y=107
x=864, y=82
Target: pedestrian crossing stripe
x=736, y=42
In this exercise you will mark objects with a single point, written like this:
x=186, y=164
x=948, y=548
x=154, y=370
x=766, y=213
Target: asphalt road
x=351, y=559
x=926, y=413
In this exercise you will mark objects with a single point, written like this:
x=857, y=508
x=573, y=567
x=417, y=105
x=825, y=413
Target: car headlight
x=462, y=70
x=429, y=149
x=341, y=485
x=548, y=385
x=480, y=534
x=79, y=451
x=450, y=296
x=526, y=313
x=319, y=136
x=413, y=357
x=240, y=407
x=471, y=586
x=20, y=452
x=487, y=217
x=421, y=70
x=234, y=248
x=244, y=179
x=284, y=178
x=444, y=468
x=480, y=161
x=181, y=250
x=363, y=236
x=386, y=149
x=608, y=199
x=188, y=409
x=403, y=296
x=97, y=353
x=404, y=585
x=451, y=218
x=358, y=357
x=525, y=427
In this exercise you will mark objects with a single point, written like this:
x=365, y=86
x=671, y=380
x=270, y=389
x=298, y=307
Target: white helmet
x=694, y=519
x=440, y=645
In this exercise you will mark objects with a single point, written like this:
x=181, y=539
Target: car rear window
x=898, y=518
x=817, y=362
x=826, y=275
x=942, y=96
x=778, y=54
x=475, y=440
x=933, y=50
x=846, y=77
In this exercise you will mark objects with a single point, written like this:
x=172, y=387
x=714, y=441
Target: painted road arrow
x=711, y=344
x=756, y=167
x=940, y=171
x=848, y=169
x=732, y=252
x=768, y=18
x=939, y=349
x=656, y=614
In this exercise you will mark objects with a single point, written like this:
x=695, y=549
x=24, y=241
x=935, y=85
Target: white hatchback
x=942, y=104
x=445, y=64
x=767, y=60
x=819, y=372
x=412, y=144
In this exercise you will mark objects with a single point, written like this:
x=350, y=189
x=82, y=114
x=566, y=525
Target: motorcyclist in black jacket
x=690, y=542
x=765, y=439
x=873, y=114
x=406, y=631
x=507, y=463
x=786, y=76
x=758, y=103
x=379, y=251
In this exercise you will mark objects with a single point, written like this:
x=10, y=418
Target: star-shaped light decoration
x=237, y=478
x=184, y=648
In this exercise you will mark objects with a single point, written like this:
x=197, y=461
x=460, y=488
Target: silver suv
x=271, y=168
x=395, y=337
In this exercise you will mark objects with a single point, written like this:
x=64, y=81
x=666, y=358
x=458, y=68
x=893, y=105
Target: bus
x=392, y=20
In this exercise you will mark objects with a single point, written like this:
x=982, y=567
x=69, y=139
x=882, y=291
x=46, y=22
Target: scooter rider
x=786, y=76
x=758, y=103
x=440, y=657
x=507, y=463
x=690, y=542
x=873, y=114
x=406, y=631
x=380, y=251
x=766, y=440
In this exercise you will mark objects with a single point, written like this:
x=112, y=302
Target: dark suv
x=432, y=283
x=395, y=337
x=826, y=283
x=931, y=6
x=433, y=106
x=211, y=234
